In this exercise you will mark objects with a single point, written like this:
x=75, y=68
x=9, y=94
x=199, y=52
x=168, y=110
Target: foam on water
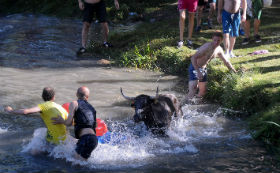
x=3, y=130
x=131, y=144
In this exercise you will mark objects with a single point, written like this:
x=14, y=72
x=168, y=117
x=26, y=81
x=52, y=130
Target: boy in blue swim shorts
x=229, y=16
x=199, y=61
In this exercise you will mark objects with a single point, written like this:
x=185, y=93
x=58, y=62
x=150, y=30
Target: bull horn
x=157, y=92
x=154, y=97
x=126, y=97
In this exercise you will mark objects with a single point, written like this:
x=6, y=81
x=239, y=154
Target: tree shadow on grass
x=267, y=69
x=264, y=58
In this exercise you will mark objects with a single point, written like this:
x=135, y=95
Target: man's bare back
x=232, y=6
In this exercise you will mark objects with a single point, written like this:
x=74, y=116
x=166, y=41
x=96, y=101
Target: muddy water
x=39, y=51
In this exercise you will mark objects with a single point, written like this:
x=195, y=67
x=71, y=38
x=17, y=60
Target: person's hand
x=81, y=5
x=243, y=18
x=199, y=75
x=117, y=5
x=8, y=109
x=57, y=120
x=219, y=19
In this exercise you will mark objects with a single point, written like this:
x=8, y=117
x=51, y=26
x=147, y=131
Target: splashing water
x=131, y=144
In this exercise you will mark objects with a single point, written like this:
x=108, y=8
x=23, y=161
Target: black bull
x=155, y=111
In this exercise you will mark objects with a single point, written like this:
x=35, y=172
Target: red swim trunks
x=189, y=5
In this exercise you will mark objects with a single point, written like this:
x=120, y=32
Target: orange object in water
x=66, y=106
x=101, y=127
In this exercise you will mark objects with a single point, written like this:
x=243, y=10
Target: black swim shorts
x=98, y=8
x=86, y=144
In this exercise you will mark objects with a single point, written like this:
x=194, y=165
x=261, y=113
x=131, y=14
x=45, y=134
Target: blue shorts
x=231, y=23
x=193, y=73
x=86, y=144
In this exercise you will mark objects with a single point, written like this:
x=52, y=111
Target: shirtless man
x=84, y=116
x=229, y=16
x=89, y=7
x=199, y=61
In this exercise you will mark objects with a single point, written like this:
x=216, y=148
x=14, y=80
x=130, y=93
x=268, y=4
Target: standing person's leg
x=198, y=18
x=182, y=6
x=257, y=23
x=226, y=22
x=199, y=12
x=234, y=32
x=85, y=32
x=87, y=19
x=247, y=31
x=101, y=15
x=257, y=12
x=182, y=23
x=190, y=25
x=212, y=10
x=105, y=29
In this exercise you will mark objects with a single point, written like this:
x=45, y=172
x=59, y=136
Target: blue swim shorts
x=231, y=23
x=193, y=73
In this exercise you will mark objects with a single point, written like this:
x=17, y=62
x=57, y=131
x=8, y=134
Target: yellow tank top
x=55, y=133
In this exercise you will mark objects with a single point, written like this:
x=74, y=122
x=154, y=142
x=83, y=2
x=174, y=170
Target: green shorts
x=256, y=9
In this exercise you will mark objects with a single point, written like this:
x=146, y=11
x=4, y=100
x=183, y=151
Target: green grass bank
x=253, y=92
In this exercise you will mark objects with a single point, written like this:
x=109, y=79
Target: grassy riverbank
x=254, y=91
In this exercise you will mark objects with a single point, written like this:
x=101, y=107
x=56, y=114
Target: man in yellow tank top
x=49, y=109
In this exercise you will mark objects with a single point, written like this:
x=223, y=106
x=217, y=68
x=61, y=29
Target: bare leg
x=231, y=43
x=202, y=89
x=247, y=28
x=199, y=14
x=182, y=23
x=191, y=24
x=256, y=26
x=105, y=29
x=85, y=31
x=212, y=11
x=192, y=89
x=226, y=43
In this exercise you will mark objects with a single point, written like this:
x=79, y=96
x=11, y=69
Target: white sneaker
x=227, y=55
x=180, y=44
x=231, y=54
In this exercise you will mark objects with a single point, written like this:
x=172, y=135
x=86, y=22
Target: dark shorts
x=86, y=144
x=98, y=8
x=193, y=74
x=203, y=3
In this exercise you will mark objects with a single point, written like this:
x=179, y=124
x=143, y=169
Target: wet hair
x=48, y=93
x=218, y=33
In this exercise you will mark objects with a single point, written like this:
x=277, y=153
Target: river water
x=39, y=51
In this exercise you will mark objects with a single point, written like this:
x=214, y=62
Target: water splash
x=131, y=144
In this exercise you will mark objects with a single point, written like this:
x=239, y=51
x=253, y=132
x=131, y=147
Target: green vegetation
x=254, y=91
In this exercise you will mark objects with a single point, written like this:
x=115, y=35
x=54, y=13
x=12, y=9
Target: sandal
x=107, y=44
x=81, y=50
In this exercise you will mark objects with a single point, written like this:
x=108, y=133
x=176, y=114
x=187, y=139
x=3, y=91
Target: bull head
x=141, y=104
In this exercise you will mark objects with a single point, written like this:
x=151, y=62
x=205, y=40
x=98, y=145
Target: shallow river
x=39, y=51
